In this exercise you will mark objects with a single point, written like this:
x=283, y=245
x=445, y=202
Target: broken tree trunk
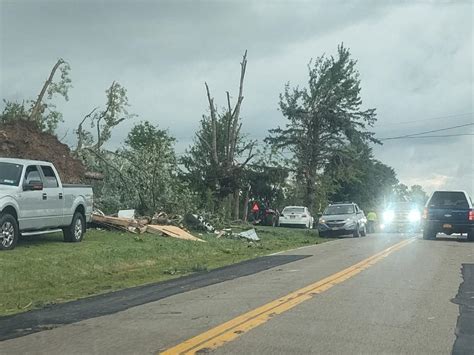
x=236, y=201
x=246, y=204
x=36, y=110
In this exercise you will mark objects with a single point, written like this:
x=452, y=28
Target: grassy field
x=44, y=270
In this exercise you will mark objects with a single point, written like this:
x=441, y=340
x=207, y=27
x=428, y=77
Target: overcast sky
x=415, y=61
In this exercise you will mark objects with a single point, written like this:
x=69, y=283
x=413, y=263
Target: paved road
x=384, y=293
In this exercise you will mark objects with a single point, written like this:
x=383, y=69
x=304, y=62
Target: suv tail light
x=471, y=215
x=425, y=213
x=304, y=216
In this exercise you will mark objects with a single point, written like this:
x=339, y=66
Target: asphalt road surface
x=385, y=293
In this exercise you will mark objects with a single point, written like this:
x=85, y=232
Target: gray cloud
x=415, y=62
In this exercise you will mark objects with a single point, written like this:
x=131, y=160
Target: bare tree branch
x=213, y=126
x=80, y=131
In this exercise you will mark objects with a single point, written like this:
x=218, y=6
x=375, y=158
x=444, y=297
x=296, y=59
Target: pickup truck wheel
x=9, y=232
x=470, y=236
x=75, y=232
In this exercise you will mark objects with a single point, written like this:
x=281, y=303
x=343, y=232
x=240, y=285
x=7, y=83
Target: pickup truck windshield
x=442, y=199
x=341, y=209
x=10, y=174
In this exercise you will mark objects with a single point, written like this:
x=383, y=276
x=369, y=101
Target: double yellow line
x=232, y=329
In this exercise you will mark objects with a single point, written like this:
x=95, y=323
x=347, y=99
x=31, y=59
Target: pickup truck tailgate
x=453, y=215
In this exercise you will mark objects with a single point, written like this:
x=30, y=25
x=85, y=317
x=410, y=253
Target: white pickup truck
x=34, y=201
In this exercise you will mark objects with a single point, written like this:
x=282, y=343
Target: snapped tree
x=214, y=164
x=42, y=111
x=323, y=119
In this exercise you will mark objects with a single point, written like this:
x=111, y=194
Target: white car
x=296, y=216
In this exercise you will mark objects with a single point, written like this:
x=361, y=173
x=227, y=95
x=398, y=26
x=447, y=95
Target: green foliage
x=62, y=86
x=415, y=194
x=207, y=178
x=153, y=167
x=357, y=176
x=13, y=111
x=143, y=175
x=323, y=119
x=103, y=121
x=267, y=179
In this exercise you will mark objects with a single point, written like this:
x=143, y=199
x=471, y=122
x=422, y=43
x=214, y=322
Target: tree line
x=323, y=153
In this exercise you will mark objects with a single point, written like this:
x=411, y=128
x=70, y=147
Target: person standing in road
x=371, y=221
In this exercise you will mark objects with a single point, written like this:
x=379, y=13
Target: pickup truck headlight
x=388, y=216
x=414, y=216
x=322, y=220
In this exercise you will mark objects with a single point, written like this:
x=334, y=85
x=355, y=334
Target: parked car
x=448, y=212
x=401, y=216
x=342, y=219
x=34, y=201
x=298, y=216
x=261, y=214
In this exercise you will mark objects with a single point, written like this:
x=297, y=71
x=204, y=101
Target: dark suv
x=448, y=212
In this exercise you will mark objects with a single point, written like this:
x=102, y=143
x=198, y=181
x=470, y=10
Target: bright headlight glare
x=414, y=216
x=321, y=220
x=388, y=216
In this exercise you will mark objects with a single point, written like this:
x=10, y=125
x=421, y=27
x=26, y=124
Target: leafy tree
x=323, y=119
x=153, y=167
x=13, y=111
x=417, y=195
x=143, y=175
x=357, y=176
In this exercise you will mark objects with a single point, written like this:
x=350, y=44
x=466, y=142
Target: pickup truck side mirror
x=33, y=185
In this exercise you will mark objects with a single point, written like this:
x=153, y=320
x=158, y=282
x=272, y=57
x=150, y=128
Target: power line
x=430, y=119
x=439, y=136
x=426, y=132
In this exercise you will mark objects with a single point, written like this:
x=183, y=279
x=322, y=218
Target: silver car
x=342, y=219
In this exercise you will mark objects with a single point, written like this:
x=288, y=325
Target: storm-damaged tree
x=103, y=121
x=323, y=119
x=42, y=111
x=91, y=144
x=151, y=165
x=214, y=164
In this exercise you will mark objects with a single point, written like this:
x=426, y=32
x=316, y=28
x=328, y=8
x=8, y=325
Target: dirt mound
x=22, y=139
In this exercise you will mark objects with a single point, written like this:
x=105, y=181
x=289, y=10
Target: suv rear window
x=448, y=199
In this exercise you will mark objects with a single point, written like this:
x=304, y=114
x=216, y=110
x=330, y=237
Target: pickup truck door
x=32, y=214
x=53, y=199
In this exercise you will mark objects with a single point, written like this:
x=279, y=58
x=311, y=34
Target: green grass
x=44, y=270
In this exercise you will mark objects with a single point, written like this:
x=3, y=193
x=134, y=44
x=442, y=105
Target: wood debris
x=172, y=231
x=141, y=225
x=126, y=224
